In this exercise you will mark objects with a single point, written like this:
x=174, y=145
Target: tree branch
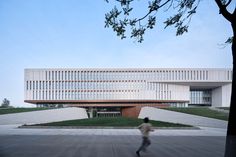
x=164, y=3
x=140, y=19
x=224, y=11
x=138, y=26
x=228, y=3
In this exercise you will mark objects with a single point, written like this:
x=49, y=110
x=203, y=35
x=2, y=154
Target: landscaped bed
x=201, y=111
x=110, y=122
x=224, y=108
x=19, y=110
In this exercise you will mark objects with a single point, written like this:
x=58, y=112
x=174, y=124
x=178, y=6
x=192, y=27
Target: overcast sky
x=71, y=34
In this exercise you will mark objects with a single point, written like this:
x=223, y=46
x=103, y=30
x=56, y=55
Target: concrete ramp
x=44, y=116
x=182, y=118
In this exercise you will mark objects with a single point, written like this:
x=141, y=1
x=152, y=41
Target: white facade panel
x=217, y=97
x=226, y=95
x=172, y=85
x=221, y=96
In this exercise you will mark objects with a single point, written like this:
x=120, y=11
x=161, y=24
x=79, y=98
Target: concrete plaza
x=26, y=142
x=67, y=142
x=202, y=131
x=109, y=146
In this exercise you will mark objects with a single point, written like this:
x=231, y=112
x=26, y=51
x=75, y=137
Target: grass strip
x=19, y=110
x=201, y=111
x=111, y=122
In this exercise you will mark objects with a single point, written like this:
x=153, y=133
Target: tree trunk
x=230, y=147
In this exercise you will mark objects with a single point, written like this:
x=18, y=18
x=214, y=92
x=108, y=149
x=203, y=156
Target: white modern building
x=129, y=88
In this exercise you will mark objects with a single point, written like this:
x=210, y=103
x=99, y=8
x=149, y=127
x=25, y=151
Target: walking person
x=145, y=129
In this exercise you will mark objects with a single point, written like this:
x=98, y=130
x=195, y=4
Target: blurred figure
x=145, y=128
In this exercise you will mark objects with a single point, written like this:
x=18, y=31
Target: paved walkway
x=44, y=116
x=109, y=146
x=203, y=131
x=182, y=118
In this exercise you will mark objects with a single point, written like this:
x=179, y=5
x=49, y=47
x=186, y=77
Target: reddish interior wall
x=133, y=112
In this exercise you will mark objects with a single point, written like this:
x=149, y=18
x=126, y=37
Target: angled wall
x=44, y=116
